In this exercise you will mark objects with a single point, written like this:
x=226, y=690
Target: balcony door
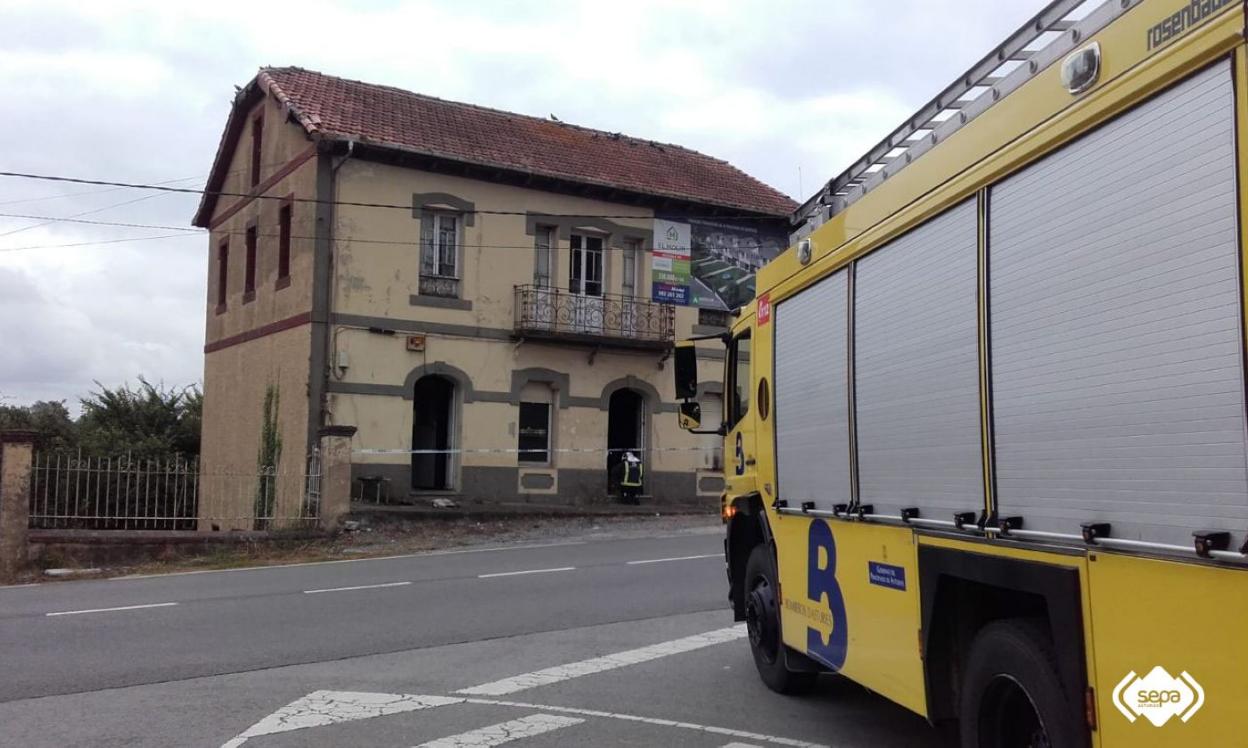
x=631, y=312
x=585, y=283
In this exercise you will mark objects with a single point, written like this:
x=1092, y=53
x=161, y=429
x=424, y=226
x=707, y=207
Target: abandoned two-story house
x=476, y=291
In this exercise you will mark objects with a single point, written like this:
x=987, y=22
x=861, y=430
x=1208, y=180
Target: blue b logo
x=821, y=581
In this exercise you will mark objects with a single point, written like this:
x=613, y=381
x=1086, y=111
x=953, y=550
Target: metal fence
x=86, y=492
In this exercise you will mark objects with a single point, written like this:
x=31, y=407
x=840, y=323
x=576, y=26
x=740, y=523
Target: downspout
x=324, y=273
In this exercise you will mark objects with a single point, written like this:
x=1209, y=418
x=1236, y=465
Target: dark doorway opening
x=432, y=407
x=625, y=429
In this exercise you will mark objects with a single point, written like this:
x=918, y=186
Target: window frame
x=223, y=274
x=580, y=252
x=544, y=271
x=257, y=139
x=732, y=362
x=251, y=240
x=285, y=218
x=433, y=251
x=632, y=266
x=531, y=458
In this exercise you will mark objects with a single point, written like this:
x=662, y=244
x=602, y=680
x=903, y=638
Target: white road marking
x=321, y=708
x=422, y=554
x=677, y=558
x=504, y=732
x=609, y=662
x=357, y=587
x=774, y=739
x=110, y=610
x=526, y=571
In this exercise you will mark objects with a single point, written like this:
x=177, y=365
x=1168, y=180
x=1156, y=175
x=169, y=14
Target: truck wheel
x=1012, y=696
x=762, y=621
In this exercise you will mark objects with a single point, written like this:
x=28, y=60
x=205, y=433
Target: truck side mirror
x=686, y=371
x=690, y=415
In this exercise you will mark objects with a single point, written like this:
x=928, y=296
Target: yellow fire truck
x=985, y=432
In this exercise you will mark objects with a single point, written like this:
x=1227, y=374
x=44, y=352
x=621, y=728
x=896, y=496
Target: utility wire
x=86, y=193
x=191, y=231
x=119, y=224
x=91, y=212
x=98, y=241
x=352, y=204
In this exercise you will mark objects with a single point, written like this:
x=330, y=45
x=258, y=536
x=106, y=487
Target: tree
x=144, y=421
x=50, y=419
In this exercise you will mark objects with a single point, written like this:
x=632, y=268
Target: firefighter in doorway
x=630, y=483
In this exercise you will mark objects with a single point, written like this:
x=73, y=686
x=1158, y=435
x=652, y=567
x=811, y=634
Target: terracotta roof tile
x=339, y=108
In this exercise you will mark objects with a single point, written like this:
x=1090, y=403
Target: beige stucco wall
x=375, y=280
x=385, y=421
x=235, y=382
x=237, y=375
x=375, y=272
x=281, y=142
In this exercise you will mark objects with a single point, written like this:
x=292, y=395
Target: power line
x=86, y=193
x=119, y=224
x=93, y=243
x=352, y=204
x=89, y=212
x=190, y=231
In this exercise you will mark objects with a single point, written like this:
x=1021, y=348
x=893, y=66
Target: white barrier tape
x=504, y=450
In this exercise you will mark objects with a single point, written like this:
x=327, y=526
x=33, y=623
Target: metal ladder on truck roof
x=1053, y=33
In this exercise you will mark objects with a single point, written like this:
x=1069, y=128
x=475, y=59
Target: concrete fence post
x=17, y=449
x=335, y=474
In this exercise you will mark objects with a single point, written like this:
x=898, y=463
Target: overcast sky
x=139, y=91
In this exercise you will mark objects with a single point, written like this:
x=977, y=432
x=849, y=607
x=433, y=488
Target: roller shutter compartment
x=916, y=359
x=1117, y=369
x=811, y=394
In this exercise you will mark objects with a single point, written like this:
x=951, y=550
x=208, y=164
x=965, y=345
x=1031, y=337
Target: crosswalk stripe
x=600, y=664
x=504, y=732
x=321, y=708
x=657, y=722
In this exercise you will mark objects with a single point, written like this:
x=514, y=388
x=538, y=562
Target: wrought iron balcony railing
x=609, y=319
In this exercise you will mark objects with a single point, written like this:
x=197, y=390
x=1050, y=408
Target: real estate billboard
x=711, y=264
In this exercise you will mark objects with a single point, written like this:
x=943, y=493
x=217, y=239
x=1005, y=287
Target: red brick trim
x=265, y=186
x=259, y=332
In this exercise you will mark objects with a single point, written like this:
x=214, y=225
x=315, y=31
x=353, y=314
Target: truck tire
x=762, y=621
x=1012, y=696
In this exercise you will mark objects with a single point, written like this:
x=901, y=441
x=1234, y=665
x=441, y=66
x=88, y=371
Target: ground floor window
x=534, y=432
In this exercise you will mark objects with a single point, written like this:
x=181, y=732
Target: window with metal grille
x=440, y=248
x=534, y=432
x=713, y=317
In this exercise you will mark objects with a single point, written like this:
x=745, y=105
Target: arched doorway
x=433, y=408
x=626, y=429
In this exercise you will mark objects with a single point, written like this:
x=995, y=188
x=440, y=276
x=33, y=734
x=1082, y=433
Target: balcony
x=607, y=320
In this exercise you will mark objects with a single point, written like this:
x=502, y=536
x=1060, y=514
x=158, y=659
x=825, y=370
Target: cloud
x=139, y=90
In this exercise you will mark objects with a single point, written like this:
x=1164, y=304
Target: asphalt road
x=599, y=642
